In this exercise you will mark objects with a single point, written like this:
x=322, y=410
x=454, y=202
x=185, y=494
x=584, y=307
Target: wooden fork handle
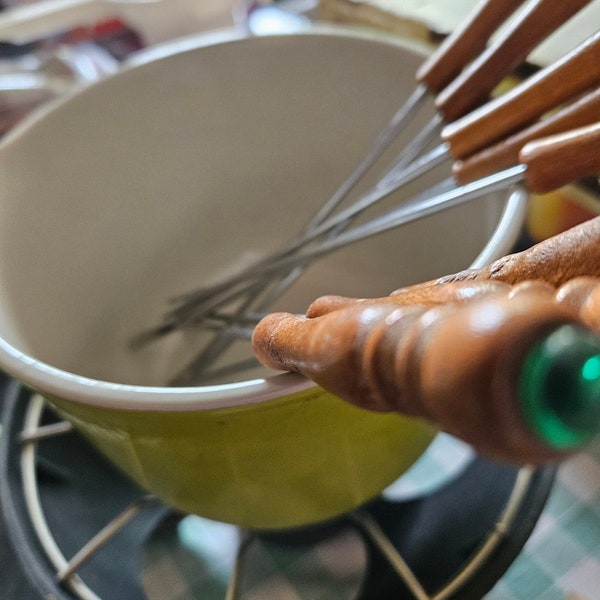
x=505, y=154
x=465, y=43
x=557, y=160
x=552, y=86
x=556, y=260
x=473, y=86
x=419, y=295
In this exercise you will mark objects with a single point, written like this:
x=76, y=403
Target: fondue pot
x=191, y=162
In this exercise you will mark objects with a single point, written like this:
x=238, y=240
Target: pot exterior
x=296, y=460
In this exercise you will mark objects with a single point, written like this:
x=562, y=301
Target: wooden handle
x=459, y=366
x=576, y=73
x=556, y=260
x=505, y=153
x=473, y=86
x=426, y=296
x=560, y=159
x=582, y=294
x=465, y=43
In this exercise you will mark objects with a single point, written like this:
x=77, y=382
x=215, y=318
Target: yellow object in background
x=549, y=214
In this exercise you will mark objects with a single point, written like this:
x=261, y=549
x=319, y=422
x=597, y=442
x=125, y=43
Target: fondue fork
x=578, y=69
x=459, y=49
x=554, y=84
x=545, y=164
x=473, y=86
x=534, y=24
x=546, y=90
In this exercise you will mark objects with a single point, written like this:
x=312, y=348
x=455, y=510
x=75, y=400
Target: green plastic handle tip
x=559, y=387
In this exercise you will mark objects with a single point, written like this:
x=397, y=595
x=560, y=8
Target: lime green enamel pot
x=196, y=159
